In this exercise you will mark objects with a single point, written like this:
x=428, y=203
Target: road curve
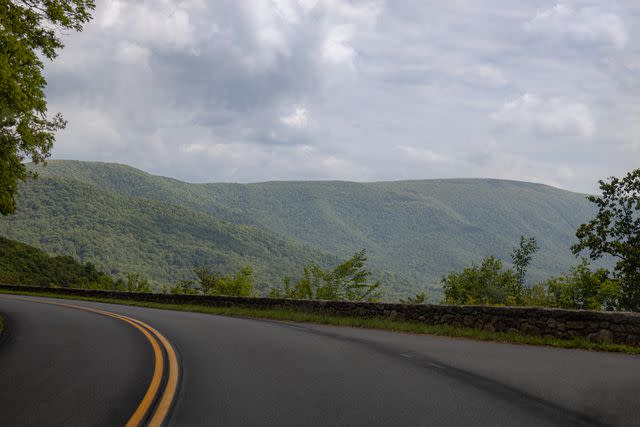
x=62, y=366
x=250, y=372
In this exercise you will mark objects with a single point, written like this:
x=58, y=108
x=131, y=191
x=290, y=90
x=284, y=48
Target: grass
x=360, y=322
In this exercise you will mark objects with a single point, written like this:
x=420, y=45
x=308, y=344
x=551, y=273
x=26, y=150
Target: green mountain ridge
x=164, y=242
x=414, y=230
x=417, y=223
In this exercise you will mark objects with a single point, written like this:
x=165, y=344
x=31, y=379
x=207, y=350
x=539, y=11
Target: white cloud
x=296, y=119
x=278, y=24
x=336, y=48
x=553, y=116
x=233, y=161
x=161, y=25
x=479, y=74
x=273, y=23
x=423, y=154
x=195, y=148
x=347, y=20
x=94, y=132
x=109, y=13
x=132, y=53
x=586, y=24
x=490, y=73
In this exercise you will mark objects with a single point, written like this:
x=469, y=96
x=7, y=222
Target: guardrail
x=597, y=326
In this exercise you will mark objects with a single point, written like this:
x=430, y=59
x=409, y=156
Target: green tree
x=137, y=283
x=581, y=288
x=184, y=287
x=522, y=256
x=24, y=264
x=240, y=284
x=29, y=28
x=208, y=281
x=615, y=231
x=349, y=281
x=483, y=284
x=420, y=298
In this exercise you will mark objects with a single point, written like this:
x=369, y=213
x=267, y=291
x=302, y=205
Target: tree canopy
x=29, y=28
x=25, y=265
x=486, y=283
x=580, y=288
x=615, y=231
x=522, y=256
x=349, y=281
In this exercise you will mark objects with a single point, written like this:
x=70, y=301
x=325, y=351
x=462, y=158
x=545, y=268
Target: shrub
x=483, y=284
x=347, y=282
x=581, y=288
x=240, y=284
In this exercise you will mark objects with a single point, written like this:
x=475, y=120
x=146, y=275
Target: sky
x=246, y=91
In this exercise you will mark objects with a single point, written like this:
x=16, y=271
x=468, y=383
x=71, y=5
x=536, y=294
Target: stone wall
x=598, y=326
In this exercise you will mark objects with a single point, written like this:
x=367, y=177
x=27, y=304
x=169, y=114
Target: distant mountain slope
x=420, y=229
x=164, y=242
x=25, y=265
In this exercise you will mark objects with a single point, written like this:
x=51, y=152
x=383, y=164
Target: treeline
x=490, y=284
x=613, y=232
x=347, y=281
x=25, y=265
x=240, y=284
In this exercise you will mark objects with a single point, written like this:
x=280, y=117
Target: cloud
x=163, y=25
x=423, y=154
x=552, y=116
x=296, y=119
x=589, y=24
x=235, y=161
x=481, y=74
x=336, y=47
x=253, y=90
x=490, y=73
x=132, y=53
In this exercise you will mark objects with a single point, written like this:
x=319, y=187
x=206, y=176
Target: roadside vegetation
x=614, y=232
x=349, y=281
x=208, y=283
x=26, y=265
x=490, y=284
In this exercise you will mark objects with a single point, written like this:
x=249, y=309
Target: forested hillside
x=419, y=229
x=25, y=265
x=163, y=242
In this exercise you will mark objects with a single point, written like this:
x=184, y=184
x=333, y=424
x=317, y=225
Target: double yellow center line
x=154, y=394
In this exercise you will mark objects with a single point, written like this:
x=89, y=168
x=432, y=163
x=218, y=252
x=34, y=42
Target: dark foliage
x=615, y=231
x=26, y=265
x=29, y=31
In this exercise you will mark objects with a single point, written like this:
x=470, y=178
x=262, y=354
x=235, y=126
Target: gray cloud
x=365, y=90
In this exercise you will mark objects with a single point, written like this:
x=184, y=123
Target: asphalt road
x=62, y=366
